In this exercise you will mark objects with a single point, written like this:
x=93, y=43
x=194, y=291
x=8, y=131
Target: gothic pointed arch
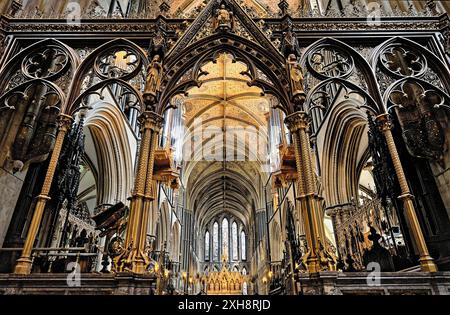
x=48, y=59
x=118, y=59
x=201, y=28
x=343, y=153
x=209, y=195
x=164, y=227
x=175, y=241
x=345, y=63
x=322, y=99
x=183, y=63
x=113, y=154
x=418, y=61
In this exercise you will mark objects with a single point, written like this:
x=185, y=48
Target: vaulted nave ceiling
x=225, y=107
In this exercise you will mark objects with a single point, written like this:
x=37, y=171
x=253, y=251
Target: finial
x=284, y=6
x=164, y=8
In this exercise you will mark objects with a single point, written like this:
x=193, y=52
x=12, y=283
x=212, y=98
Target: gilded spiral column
x=135, y=241
x=24, y=263
x=426, y=262
x=154, y=122
x=139, y=185
x=307, y=195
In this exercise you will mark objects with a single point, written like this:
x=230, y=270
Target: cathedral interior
x=224, y=147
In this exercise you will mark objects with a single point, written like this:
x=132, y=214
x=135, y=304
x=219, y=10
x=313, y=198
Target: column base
x=313, y=265
x=23, y=266
x=132, y=262
x=427, y=264
x=138, y=267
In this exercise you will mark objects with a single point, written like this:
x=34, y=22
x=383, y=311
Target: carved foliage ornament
x=421, y=131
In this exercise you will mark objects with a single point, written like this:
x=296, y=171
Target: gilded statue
x=296, y=77
x=224, y=19
x=154, y=73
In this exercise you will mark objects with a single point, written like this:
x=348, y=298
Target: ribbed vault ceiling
x=224, y=105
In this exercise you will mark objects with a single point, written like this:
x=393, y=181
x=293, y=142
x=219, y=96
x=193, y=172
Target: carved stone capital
x=297, y=120
x=406, y=196
x=384, y=122
x=64, y=122
x=150, y=120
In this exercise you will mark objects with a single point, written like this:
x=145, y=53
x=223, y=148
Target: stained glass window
x=207, y=245
x=243, y=246
x=225, y=236
x=216, y=241
x=234, y=240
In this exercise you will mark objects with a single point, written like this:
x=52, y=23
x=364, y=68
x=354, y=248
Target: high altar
x=226, y=282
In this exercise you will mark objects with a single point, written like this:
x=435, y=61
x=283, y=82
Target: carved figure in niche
x=317, y=62
x=158, y=43
x=296, y=79
x=153, y=81
x=330, y=62
x=289, y=44
x=224, y=19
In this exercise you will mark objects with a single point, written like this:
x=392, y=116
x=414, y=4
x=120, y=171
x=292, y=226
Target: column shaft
x=140, y=206
x=307, y=194
x=24, y=263
x=426, y=262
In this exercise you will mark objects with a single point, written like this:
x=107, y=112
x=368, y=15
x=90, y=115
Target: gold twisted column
x=24, y=263
x=426, y=262
x=140, y=206
x=317, y=256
